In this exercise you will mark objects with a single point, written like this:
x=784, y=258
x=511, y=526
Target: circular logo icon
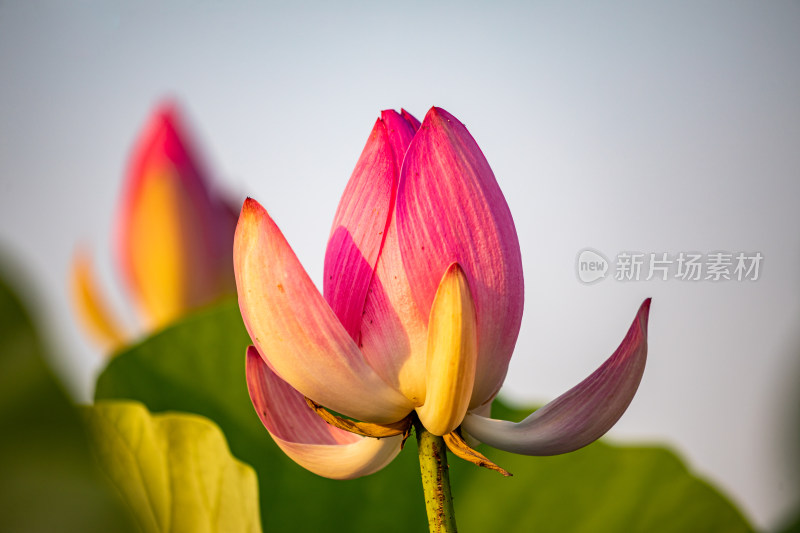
x=591, y=266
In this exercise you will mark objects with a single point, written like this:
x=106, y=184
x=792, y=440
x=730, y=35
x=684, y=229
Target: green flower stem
x=435, y=481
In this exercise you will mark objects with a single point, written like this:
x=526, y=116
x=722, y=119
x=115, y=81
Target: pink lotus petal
x=394, y=334
x=359, y=229
x=450, y=209
x=581, y=415
x=363, y=267
x=311, y=442
x=297, y=332
x=411, y=119
x=401, y=131
x=362, y=218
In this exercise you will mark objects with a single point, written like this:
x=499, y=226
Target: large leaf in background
x=198, y=366
x=48, y=478
x=174, y=470
x=597, y=488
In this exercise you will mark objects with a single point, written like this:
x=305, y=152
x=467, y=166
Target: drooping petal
x=297, y=332
x=92, y=307
x=173, y=235
x=452, y=354
x=450, y=209
x=305, y=437
x=581, y=415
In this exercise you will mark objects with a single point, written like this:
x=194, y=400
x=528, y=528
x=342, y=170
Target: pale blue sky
x=620, y=127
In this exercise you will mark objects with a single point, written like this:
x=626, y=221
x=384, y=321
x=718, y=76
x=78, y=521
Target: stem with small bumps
x=435, y=481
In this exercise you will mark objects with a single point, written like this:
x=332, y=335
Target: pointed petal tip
x=411, y=119
x=167, y=111
x=297, y=331
x=253, y=211
x=581, y=415
x=644, y=313
x=251, y=217
x=454, y=269
x=165, y=122
x=251, y=205
x=438, y=114
x=391, y=116
x=388, y=114
x=380, y=123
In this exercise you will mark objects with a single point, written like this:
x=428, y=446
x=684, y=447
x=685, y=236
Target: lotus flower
x=419, y=314
x=174, y=235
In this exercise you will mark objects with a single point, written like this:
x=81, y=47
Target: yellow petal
x=92, y=307
x=452, y=354
x=159, y=256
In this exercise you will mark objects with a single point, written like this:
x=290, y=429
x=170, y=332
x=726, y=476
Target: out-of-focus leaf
x=174, y=470
x=198, y=366
x=48, y=478
x=598, y=488
x=792, y=526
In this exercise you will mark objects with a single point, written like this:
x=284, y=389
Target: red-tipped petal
x=359, y=229
x=393, y=332
x=411, y=119
x=297, y=332
x=173, y=238
x=311, y=442
x=365, y=283
x=581, y=415
x=362, y=218
x=450, y=209
x=401, y=131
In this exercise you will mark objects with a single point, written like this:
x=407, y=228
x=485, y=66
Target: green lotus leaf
x=174, y=470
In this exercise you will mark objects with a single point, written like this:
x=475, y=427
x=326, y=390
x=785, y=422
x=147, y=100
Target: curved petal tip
x=92, y=306
x=581, y=415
